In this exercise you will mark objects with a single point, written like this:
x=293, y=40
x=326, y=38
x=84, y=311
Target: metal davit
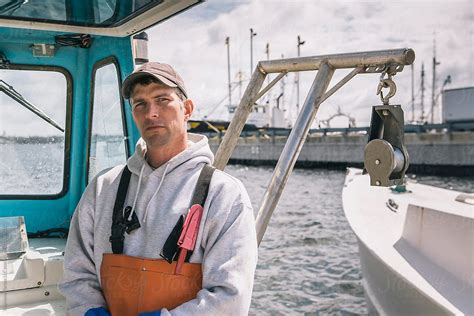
x=387, y=62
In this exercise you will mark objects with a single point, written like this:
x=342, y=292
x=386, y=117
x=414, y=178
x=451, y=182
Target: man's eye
x=137, y=105
x=162, y=99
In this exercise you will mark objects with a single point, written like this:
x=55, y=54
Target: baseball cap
x=163, y=72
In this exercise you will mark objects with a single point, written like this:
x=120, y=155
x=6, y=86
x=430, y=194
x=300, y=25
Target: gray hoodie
x=226, y=243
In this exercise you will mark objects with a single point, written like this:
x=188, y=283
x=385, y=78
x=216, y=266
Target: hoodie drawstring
x=157, y=189
x=136, y=193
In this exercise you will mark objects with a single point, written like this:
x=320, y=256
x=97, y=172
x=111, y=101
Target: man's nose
x=152, y=111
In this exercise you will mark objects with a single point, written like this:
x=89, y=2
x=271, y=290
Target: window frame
x=111, y=60
x=67, y=134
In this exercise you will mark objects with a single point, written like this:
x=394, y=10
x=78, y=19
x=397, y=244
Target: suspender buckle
x=117, y=238
x=132, y=224
x=118, y=231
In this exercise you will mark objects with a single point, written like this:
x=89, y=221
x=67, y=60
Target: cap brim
x=131, y=79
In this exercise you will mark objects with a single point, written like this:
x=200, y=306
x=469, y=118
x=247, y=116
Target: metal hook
x=386, y=83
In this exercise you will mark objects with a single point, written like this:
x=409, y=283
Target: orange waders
x=132, y=285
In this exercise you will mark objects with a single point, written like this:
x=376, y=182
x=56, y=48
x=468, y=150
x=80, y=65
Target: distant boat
x=214, y=126
x=416, y=246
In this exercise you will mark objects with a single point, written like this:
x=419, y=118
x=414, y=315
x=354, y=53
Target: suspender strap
x=170, y=248
x=188, y=236
x=118, y=224
x=202, y=186
x=200, y=192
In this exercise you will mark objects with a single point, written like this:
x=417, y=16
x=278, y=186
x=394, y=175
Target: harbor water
x=308, y=261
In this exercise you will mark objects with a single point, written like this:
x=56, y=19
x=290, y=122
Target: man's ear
x=188, y=109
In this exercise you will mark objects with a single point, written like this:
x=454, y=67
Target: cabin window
x=33, y=110
x=49, y=10
x=96, y=13
x=107, y=140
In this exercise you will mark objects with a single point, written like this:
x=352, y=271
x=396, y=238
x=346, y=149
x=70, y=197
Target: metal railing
x=449, y=127
x=387, y=61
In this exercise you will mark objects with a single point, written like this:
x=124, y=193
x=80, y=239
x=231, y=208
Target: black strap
x=202, y=186
x=170, y=248
x=118, y=224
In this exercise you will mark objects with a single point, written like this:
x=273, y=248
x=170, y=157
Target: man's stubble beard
x=165, y=138
x=155, y=140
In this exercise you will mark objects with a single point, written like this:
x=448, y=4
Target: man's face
x=160, y=114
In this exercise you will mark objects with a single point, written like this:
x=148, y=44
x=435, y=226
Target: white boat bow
x=416, y=248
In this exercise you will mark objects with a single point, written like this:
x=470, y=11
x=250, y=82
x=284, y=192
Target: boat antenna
x=252, y=35
x=433, y=87
x=227, y=42
x=422, y=119
x=412, y=93
x=297, y=77
x=282, y=86
x=267, y=52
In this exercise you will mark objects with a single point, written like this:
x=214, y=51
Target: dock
x=438, y=149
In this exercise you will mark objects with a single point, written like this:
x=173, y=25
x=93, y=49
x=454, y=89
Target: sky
x=194, y=43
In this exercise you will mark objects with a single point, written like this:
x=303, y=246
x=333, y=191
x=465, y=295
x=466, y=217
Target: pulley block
x=385, y=155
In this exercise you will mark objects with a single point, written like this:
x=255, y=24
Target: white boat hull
x=416, y=252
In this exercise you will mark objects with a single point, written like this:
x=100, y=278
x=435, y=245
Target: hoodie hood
x=198, y=152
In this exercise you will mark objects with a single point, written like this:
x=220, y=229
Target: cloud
x=194, y=42
x=198, y=50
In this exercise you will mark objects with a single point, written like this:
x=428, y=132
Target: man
x=164, y=179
